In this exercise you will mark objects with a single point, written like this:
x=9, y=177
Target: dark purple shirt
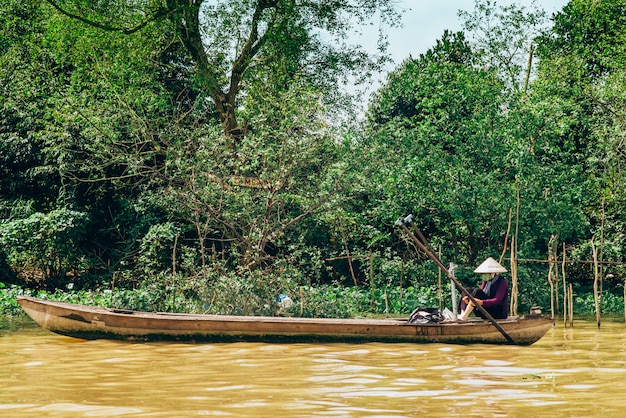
x=497, y=303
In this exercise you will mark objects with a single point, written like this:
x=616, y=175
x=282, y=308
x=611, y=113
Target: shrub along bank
x=324, y=301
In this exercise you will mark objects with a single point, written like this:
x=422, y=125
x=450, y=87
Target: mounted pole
x=423, y=245
x=453, y=291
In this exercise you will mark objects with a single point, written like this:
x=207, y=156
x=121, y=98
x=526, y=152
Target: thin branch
x=152, y=16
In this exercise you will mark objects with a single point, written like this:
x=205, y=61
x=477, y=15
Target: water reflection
x=577, y=372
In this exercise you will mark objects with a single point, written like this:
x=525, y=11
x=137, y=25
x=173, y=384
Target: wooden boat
x=96, y=322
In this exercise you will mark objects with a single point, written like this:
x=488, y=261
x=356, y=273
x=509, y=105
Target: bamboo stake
x=401, y=277
x=516, y=281
x=372, y=284
x=513, y=307
x=345, y=246
x=571, y=306
x=601, y=255
x=565, y=293
x=514, y=289
x=174, y=255
x=596, y=296
x=386, y=303
x=557, y=299
x=555, y=259
x=439, y=287
x=565, y=307
x=551, y=276
x=604, y=263
x=506, y=237
x=551, y=291
x=516, y=237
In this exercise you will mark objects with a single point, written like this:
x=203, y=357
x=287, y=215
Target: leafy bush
x=238, y=295
x=155, y=250
x=611, y=304
x=45, y=245
x=8, y=304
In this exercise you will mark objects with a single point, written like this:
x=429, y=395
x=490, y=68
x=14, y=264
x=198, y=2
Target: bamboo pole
x=386, y=303
x=513, y=306
x=571, y=261
x=565, y=307
x=551, y=291
x=565, y=291
x=439, y=285
x=514, y=289
x=552, y=277
x=596, y=278
x=565, y=299
x=372, y=284
x=349, y=257
x=523, y=260
x=516, y=237
x=401, y=277
x=601, y=252
x=174, y=255
x=557, y=298
x=571, y=306
x=506, y=237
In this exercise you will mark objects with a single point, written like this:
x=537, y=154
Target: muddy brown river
x=568, y=373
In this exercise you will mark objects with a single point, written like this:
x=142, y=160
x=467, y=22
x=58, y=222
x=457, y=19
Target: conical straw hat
x=490, y=266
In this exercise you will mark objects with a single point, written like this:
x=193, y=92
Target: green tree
x=232, y=42
x=581, y=78
x=24, y=87
x=131, y=106
x=503, y=37
x=439, y=123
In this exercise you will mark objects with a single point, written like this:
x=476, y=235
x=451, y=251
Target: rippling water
x=579, y=372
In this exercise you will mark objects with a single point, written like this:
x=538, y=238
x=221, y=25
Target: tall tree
x=504, y=37
x=581, y=77
x=439, y=120
x=24, y=86
x=230, y=41
x=137, y=90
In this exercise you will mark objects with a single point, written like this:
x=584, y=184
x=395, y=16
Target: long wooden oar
x=423, y=245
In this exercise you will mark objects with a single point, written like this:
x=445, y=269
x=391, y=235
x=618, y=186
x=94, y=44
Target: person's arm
x=500, y=297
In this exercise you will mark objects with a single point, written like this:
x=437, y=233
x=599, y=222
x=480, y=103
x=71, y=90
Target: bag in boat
x=425, y=316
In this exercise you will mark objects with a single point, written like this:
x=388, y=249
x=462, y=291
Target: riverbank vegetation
x=201, y=156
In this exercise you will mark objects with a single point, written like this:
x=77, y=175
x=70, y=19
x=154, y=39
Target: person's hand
x=466, y=299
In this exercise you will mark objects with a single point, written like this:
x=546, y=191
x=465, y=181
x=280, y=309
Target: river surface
x=568, y=373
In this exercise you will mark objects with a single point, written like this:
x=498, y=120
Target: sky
x=424, y=21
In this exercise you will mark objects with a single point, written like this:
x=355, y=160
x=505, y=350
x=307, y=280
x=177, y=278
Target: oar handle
x=424, y=247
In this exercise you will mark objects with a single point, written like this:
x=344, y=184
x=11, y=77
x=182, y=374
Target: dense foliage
x=204, y=153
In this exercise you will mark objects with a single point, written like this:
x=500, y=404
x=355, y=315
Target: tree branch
x=252, y=45
x=152, y=16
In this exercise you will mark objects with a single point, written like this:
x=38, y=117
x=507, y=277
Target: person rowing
x=492, y=295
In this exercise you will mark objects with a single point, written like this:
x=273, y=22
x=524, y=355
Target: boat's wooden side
x=96, y=322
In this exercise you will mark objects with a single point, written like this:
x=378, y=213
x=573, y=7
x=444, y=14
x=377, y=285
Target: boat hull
x=103, y=323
